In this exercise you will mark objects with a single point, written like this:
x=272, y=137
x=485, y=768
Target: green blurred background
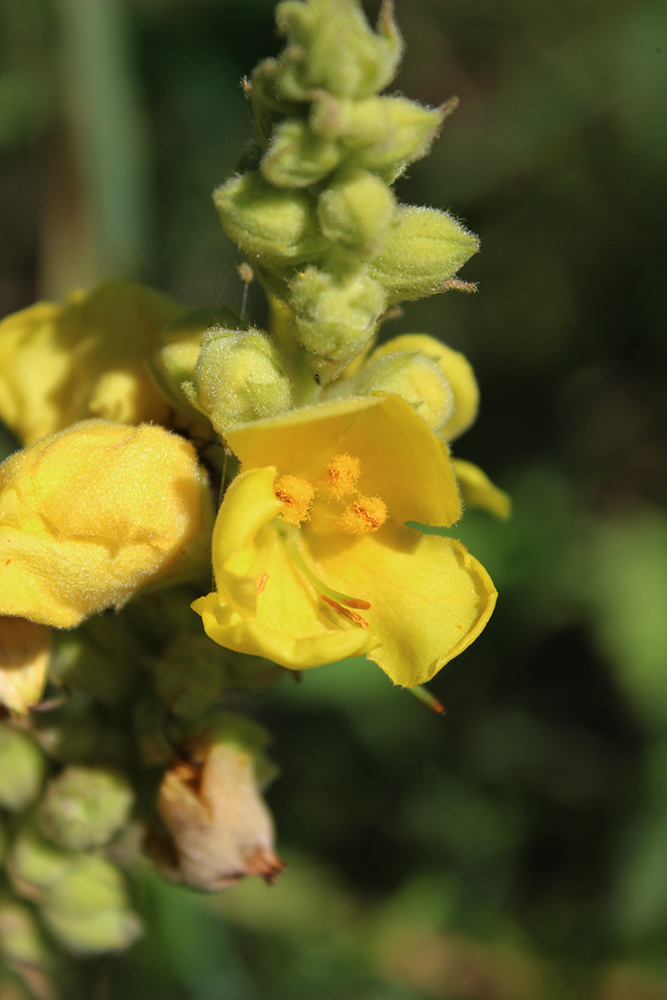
x=517, y=848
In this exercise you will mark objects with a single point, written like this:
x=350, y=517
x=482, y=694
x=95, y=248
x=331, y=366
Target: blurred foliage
x=517, y=847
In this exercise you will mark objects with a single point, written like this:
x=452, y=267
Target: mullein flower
x=93, y=513
x=313, y=560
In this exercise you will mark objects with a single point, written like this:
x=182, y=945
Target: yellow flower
x=90, y=514
x=84, y=358
x=25, y=648
x=313, y=561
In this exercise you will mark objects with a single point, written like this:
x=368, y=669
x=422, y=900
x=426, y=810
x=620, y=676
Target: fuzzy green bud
x=334, y=317
x=20, y=940
x=421, y=253
x=84, y=807
x=455, y=367
x=332, y=46
x=87, y=910
x=383, y=134
x=409, y=374
x=21, y=769
x=175, y=357
x=238, y=377
x=297, y=157
x=35, y=865
x=274, y=227
x=357, y=211
x=190, y=674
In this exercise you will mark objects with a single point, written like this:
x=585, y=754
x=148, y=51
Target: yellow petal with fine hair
x=89, y=515
x=477, y=489
x=60, y=363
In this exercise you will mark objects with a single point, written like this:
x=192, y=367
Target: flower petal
x=429, y=598
x=478, y=490
x=402, y=460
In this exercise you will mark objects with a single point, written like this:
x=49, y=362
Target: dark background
x=517, y=848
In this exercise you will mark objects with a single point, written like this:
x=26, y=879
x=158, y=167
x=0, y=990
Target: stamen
x=342, y=474
x=261, y=583
x=297, y=495
x=352, y=615
x=340, y=602
x=426, y=698
x=364, y=514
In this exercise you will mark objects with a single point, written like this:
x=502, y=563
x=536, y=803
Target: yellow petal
x=429, y=598
x=457, y=370
x=84, y=358
x=90, y=514
x=263, y=604
x=25, y=648
x=402, y=460
x=478, y=490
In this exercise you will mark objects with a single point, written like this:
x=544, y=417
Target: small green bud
x=175, y=357
x=21, y=769
x=357, y=210
x=190, y=675
x=332, y=46
x=35, y=865
x=238, y=377
x=383, y=134
x=20, y=941
x=409, y=374
x=269, y=225
x=99, y=658
x=87, y=910
x=84, y=807
x=422, y=251
x=455, y=367
x=269, y=104
x=297, y=157
x=335, y=317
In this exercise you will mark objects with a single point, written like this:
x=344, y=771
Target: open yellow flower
x=89, y=515
x=312, y=557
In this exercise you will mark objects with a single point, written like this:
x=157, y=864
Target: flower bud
x=84, y=807
x=34, y=865
x=21, y=943
x=21, y=769
x=84, y=358
x=87, y=909
x=94, y=512
x=25, y=649
x=220, y=829
x=409, y=374
x=383, y=134
x=271, y=226
x=333, y=47
x=456, y=369
x=190, y=675
x=421, y=252
x=238, y=377
x=357, y=210
x=297, y=158
x=174, y=359
x=335, y=317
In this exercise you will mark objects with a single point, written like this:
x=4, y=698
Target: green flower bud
x=455, y=367
x=238, y=377
x=383, y=134
x=297, y=158
x=21, y=943
x=85, y=807
x=175, y=357
x=87, y=910
x=422, y=251
x=79, y=738
x=270, y=226
x=35, y=865
x=357, y=211
x=21, y=769
x=190, y=675
x=99, y=658
x=331, y=46
x=334, y=317
x=409, y=374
